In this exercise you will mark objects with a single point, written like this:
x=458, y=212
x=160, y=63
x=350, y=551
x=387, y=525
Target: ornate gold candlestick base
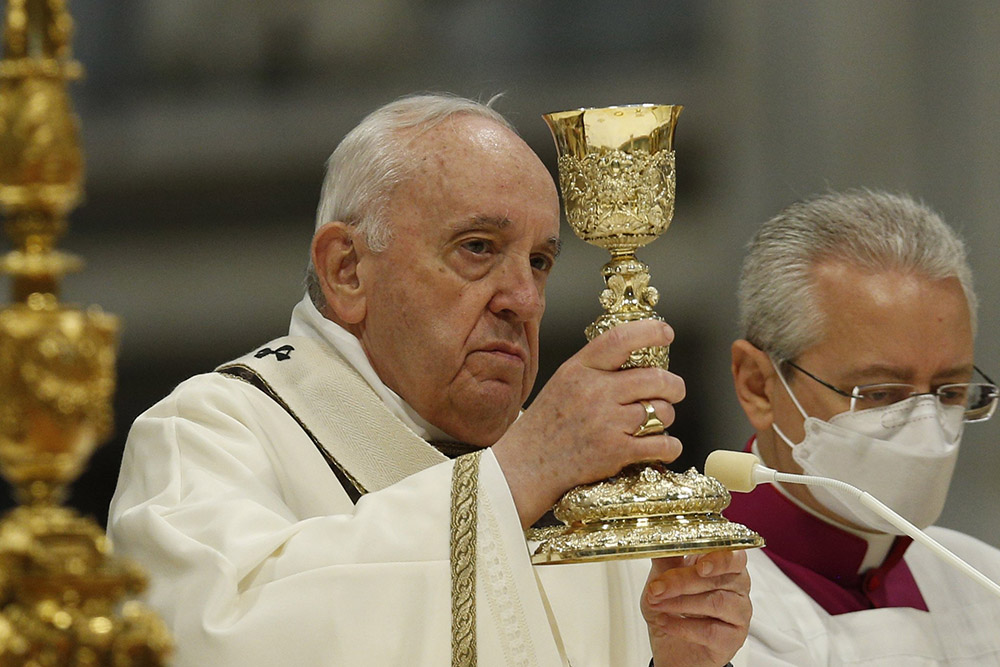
x=616, y=175
x=62, y=589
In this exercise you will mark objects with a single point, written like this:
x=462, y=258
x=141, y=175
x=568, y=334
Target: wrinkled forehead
x=892, y=316
x=466, y=140
x=478, y=160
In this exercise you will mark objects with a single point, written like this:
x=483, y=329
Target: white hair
x=374, y=158
x=868, y=229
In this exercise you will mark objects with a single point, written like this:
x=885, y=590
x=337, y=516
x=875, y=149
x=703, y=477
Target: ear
x=335, y=257
x=753, y=376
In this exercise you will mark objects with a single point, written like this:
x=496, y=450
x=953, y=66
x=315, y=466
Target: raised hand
x=580, y=427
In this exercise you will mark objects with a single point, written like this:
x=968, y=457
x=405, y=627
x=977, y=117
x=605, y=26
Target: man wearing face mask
x=856, y=363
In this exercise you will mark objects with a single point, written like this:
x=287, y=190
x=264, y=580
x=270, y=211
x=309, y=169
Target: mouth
x=506, y=351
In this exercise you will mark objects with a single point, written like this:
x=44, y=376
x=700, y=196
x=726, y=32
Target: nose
x=518, y=294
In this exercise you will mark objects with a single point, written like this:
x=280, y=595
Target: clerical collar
x=454, y=449
x=823, y=558
x=879, y=544
x=307, y=321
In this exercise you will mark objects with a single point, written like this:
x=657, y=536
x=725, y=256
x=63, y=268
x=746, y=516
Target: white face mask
x=903, y=454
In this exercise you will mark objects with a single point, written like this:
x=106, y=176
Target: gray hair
x=374, y=158
x=868, y=229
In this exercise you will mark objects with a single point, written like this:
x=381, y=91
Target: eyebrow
x=481, y=221
x=964, y=370
x=879, y=371
x=555, y=244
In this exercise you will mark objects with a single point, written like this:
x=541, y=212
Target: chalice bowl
x=617, y=179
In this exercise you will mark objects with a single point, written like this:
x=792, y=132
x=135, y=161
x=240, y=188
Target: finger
x=700, y=631
x=662, y=447
x=714, y=562
x=687, y=581
x=656, y=584
x=722, y=605
x=720, y=562
x=635, y=384
x=638, y=415
x=660, y=565
x=612, y=348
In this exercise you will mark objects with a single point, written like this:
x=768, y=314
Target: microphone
x=743, y=471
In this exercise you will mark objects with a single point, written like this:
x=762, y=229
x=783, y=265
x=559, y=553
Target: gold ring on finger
x=652, y=425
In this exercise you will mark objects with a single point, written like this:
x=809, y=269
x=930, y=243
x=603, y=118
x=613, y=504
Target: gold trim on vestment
x=464, y=510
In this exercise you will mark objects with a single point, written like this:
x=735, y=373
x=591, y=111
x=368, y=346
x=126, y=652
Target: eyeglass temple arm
x=985, y=376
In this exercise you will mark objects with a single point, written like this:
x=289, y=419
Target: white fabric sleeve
x=257, y=557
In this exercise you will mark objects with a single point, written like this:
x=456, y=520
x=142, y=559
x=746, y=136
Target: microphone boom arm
x=742, y=471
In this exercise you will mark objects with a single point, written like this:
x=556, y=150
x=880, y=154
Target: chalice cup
x=617, y=179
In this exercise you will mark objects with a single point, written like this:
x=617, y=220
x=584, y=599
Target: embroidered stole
x=374, y=449
x=369, y=452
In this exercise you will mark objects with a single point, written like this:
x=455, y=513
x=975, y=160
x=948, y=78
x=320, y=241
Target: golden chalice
x=617, y=178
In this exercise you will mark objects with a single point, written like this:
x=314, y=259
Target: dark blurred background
x=206, y=125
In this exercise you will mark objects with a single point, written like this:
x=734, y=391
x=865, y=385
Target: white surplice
x=960, y=628
x=257, y=555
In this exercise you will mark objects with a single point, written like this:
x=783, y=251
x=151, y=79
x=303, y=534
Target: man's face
x=880, y=327
x=453, y=305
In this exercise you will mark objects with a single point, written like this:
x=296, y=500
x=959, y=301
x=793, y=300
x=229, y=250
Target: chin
x=484, y=428
x=480, y=414
x=477, y=435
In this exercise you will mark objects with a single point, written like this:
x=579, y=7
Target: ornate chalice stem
x=617, y=178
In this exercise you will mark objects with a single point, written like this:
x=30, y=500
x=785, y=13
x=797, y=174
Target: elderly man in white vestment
x=858, y=316
x=289, y=506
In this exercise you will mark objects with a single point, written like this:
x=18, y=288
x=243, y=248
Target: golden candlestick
x=61, y=590
x=617, y=178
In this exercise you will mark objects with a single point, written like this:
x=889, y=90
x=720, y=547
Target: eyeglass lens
x=978, y=400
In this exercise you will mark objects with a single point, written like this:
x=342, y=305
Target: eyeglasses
x=977, y=399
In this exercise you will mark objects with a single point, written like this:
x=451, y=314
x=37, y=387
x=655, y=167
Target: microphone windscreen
x=733, y=469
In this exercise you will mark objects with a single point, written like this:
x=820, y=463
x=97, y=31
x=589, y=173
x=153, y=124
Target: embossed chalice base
x=617, y=179
x=645, y=511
